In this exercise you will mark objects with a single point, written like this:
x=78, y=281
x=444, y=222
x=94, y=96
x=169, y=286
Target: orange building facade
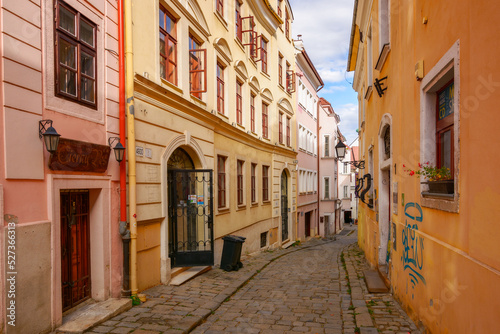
x=427, y=78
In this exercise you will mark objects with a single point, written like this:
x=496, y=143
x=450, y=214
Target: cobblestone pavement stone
x=315, y=287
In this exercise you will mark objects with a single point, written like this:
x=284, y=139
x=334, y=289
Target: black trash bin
x=231, y=252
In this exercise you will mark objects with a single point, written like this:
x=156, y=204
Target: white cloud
x=325, y=26
x=348, y=120
x=330, y=75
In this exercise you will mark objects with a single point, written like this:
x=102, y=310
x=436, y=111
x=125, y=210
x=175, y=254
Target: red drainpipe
x=125, y=233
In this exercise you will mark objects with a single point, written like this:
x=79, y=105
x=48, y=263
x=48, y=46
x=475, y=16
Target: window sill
x=444, y=202
x=369, y=91
x=255, y=204
x=171, y=86
x=241, y=207
x=383, y=56
x=222, y=211
x=221, y=19
x=266, y=203
x=198, y=101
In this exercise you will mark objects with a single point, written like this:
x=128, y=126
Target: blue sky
x=325, y=26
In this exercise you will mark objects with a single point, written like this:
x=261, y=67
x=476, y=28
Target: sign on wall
x=79, y=156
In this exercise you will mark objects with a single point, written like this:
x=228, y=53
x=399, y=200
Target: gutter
x=129, y=94
x=124, y=232
x=353, y=32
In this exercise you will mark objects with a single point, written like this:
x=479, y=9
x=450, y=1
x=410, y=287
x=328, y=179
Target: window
x=369, y=58
x=327, y=146
x=253, y=183
x=280, y=69
x=263, y=54
x=168, y=47
x=197, y=68
x=439, y=126
x=239, y=173
x=345, y=170
x=265, y=183
x=252, y=112
x=220, y=88
x=444, y=127
x=265, y=129
x=288, y=141
x=280, y=12
x=290, y=79
x=238, y=23
x=219, y=7
x=287, y=25
x=346, y=191
x=75, y=54
x=221, y=181
x=384, y=23
x=327, y=188
x=239, y=104
x=281, y=128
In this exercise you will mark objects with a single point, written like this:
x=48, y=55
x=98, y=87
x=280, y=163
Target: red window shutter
x=198, y=71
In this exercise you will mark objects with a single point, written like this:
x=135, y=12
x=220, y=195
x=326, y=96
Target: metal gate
x=284, y=207
x=75, y=247
x=190, y=217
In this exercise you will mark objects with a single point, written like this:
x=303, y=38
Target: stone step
x=189, y=273
x=374, y=282
x=93, y=314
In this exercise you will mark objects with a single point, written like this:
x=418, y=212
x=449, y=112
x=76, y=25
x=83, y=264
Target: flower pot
x=441, y=187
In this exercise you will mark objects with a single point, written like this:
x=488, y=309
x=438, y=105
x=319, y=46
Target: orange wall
x=459, y=257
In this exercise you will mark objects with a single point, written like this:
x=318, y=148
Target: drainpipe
x=318, y=161
x=129, y=94
x=124, y=232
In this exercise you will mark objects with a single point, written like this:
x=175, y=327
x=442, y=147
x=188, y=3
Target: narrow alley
x=314, y=287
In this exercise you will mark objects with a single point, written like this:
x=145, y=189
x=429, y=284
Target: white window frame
x=447, y=68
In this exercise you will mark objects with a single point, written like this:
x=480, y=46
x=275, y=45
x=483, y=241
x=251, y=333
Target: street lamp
x=49, y=134
x=340, y=149
x=119, y=150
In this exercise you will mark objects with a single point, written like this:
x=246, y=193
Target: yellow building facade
x=214, y=130
x=426, y=77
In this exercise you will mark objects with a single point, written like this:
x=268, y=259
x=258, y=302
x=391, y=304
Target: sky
x=325, y=26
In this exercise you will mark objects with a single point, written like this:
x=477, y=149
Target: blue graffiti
x=413, y=246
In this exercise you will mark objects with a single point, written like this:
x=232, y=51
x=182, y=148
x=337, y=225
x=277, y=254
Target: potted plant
x=439, y=179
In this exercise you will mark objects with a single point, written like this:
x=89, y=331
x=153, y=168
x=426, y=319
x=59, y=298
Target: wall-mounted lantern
x=118, y=149
x=340, y=149
x=49, y=134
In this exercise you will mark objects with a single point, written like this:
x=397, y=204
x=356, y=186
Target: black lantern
x=118, y=149
x=50, y=135
x=340, y=150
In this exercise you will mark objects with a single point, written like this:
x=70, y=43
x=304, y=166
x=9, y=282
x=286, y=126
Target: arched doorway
x=284, y=206
x=385, y=195
x=190, y=212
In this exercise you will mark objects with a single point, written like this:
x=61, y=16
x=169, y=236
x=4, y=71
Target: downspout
x=318, y=160
x=124, y=232
x=129, y=94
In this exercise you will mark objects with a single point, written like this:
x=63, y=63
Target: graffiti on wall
x=413, y=244
x=363, y=186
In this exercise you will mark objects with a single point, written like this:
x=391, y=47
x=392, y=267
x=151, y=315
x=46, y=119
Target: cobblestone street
x=315, y=287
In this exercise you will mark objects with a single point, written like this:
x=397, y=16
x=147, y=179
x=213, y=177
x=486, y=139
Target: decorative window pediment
x=241, y=69
x=222, y=46
x=266, y=93
x=254, y=82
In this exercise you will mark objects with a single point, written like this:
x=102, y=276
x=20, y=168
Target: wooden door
x=75, y=247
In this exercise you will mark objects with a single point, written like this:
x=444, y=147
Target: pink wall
x=27, y=96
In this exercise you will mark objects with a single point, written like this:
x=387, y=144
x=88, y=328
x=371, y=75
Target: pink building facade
x=308, y=84
x=329, y=136
x=59, y=213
